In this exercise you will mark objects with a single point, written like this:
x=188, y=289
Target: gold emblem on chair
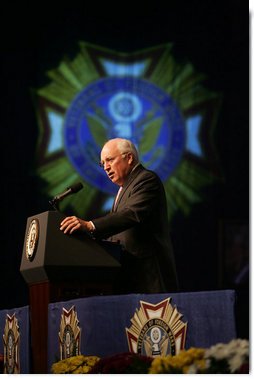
x=157, y=330
x=70, y=334
x=11, y=339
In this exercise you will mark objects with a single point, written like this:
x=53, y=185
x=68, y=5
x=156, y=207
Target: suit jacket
x=139, y=222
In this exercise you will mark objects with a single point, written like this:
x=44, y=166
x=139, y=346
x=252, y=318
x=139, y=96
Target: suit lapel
x=130, y=179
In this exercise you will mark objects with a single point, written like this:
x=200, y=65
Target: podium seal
x=32, y=238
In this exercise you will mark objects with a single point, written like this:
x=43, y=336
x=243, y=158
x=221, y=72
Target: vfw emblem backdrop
x=157, y=330
x=69, y=334
x=11, y=340
x=146, y=96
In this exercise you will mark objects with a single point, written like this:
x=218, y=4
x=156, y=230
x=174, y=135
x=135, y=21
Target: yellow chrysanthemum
x=79, y=364
x=59, y=367
x=178, y=363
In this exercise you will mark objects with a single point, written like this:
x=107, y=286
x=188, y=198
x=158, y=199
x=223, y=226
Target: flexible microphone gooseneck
x=73, y=189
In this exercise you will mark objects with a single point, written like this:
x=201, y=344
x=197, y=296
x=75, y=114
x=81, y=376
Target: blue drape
x=210, y=317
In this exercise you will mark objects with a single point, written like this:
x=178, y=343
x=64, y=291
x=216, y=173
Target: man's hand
x=73, y=223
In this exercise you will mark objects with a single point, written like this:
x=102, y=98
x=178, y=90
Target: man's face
x=117, y=165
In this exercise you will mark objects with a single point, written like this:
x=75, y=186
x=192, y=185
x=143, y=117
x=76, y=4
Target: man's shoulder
x=148, y=171
x=145, y=173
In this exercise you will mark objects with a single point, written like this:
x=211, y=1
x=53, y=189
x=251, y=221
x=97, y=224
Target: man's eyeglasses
x=110, y=160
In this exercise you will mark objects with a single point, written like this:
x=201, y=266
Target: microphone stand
x=55, y=204
x=75, y=188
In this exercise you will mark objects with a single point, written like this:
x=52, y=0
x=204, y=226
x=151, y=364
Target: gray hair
x=125, y=145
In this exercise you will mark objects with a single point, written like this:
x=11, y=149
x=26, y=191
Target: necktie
x=117, y=196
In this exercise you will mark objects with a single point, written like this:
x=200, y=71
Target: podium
x=59, y=267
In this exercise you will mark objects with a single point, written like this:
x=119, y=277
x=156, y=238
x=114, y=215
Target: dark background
x=214, y=37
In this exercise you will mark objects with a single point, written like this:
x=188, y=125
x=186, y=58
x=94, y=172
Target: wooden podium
x=59, y=267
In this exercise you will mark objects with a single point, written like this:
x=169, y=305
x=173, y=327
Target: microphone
x=69, y=190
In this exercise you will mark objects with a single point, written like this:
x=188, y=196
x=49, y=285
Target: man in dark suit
x=138, y=221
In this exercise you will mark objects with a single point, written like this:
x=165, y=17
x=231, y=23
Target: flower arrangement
x=230, y=358
x=124, y=363
x=180, y=363
x=79, y=364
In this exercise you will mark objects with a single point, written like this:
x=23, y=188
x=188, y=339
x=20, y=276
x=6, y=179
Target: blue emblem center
x=128, y=108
